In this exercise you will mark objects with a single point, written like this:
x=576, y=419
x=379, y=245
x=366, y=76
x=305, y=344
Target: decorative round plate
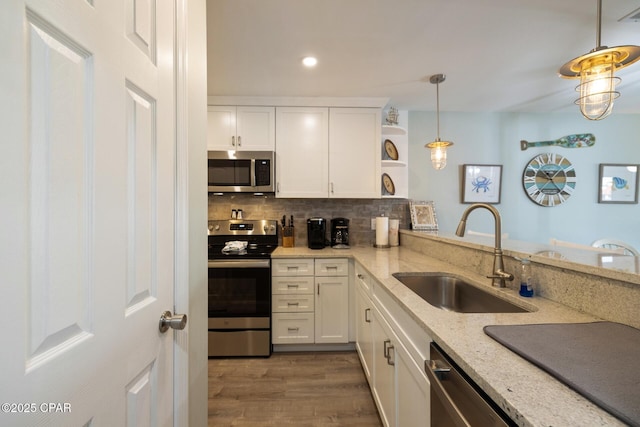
x=387, y=185
x=390, y=149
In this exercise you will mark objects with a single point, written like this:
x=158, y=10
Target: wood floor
x=294, y=389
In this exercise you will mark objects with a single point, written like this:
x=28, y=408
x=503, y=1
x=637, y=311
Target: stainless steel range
x=240, y=286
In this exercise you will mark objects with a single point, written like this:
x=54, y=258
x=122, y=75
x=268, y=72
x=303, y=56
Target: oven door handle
x=258, y=263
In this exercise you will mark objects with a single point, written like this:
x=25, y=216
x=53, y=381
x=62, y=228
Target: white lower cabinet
x=413, y=407
x=310, y=301
x=363, y=322
x=332, y=310
x=392, y=350
x=384, y=370
x=292, y=328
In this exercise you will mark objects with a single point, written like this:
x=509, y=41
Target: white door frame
x=190, y=348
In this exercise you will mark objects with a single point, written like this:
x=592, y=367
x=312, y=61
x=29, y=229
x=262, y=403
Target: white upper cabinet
x=241, y=128
x=302, y=163
x=328, y=152
x=354, y=154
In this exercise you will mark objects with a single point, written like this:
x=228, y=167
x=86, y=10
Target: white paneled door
x=87, y=195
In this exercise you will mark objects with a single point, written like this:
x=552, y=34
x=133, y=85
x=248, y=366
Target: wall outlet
x=373, y=223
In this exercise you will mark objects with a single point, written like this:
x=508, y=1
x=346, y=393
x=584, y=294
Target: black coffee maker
x=316, y=233
x=340, y=233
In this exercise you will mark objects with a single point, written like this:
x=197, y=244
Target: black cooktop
x=259, y=251
x=261, y=237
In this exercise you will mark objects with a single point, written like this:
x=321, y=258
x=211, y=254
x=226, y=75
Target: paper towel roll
x=394, y=225
x=382, y=231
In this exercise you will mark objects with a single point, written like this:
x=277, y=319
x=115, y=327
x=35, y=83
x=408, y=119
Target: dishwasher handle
x=465, y=405
x=437, y=371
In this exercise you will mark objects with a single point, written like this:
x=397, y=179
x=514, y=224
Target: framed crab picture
x=481, y=183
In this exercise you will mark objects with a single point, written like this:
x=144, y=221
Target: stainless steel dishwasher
x=455, y=400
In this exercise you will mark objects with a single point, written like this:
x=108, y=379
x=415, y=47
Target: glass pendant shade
x=439, y=153
x=597, y=86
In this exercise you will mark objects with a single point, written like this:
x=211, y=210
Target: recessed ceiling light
x=309, y=61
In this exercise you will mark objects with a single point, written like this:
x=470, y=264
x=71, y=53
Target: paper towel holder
x=382, y=245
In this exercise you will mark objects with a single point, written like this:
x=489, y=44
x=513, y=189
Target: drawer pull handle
x=391, y=361
x=292, y=268
x=386, y=344
x=293, y=329
x=293, y=304
x=292, y=286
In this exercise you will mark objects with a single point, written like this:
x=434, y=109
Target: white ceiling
x=497, y=55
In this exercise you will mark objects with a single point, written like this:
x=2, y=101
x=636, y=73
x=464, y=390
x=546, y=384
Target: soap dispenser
x=526, y=284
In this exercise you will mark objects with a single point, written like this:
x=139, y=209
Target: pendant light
x=438, y=148
x=596, y=70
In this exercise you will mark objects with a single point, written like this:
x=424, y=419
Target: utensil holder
x=288, y=237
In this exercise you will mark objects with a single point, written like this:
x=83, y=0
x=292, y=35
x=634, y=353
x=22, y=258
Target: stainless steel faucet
x=499, y=276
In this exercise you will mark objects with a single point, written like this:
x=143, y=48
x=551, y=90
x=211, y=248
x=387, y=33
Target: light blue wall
x=494, y=138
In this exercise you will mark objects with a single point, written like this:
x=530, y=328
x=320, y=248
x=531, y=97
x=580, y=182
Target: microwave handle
x=253, y=172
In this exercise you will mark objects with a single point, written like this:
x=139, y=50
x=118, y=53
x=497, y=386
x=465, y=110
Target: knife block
x=288, y=237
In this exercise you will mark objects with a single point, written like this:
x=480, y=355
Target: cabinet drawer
x=363, y=280
x=289, y=328
x=292, y=303
x=332, y=267
x=292, y=285
x=292, y=267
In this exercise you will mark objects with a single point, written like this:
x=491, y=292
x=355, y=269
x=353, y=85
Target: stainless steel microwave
x=241, y=171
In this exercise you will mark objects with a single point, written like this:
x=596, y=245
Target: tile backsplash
x=358, y=211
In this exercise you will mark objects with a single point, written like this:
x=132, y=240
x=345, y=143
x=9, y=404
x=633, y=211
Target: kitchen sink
x=454, y=294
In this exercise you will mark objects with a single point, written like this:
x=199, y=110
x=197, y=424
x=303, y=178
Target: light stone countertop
x=530, y=396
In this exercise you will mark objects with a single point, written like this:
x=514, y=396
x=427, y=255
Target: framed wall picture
x=618, y=183
x=481, y=183
x=423, y=216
